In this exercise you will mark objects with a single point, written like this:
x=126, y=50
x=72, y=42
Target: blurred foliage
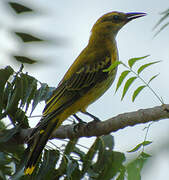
x=165, y=16
x=23, y=59
x=26, y=37
x=19, y=8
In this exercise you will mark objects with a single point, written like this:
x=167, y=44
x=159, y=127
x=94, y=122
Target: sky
x=72, y=21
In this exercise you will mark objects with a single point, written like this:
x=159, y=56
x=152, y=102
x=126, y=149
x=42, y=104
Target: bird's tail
x=36, y=147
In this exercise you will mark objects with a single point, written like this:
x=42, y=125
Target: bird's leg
x=78, y=119
x=92, y=123
x=81, y=122
x=92, y=116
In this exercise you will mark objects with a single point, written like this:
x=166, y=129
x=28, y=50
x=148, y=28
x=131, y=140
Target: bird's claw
x=78, y=126
x=93, y=123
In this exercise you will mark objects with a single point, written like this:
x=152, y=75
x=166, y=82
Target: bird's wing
x=78, y=84
x=70, y=90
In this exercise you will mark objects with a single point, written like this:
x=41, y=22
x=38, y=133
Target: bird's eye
x=116, y=17
x=112, y=18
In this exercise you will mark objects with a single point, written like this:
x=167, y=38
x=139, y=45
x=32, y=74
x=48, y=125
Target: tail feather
x=37, y=146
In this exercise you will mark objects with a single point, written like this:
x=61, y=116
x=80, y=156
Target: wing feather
x=78, y=84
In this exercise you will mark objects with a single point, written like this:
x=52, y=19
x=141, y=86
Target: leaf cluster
x=19, y=94
x=24, y=35
x=135, y=75
x=165, y=16
x=99, y=162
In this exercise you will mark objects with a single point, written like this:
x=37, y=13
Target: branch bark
x=105, y=127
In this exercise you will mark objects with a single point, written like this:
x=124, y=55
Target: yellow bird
x=84, y=82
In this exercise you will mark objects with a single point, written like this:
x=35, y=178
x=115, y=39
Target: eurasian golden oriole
x=84, y=82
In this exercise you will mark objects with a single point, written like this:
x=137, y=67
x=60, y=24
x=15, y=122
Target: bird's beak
x=134, y=15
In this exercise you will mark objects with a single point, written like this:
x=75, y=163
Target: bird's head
x=112, y=22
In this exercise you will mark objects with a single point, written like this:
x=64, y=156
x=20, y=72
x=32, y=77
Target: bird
x=83, y=83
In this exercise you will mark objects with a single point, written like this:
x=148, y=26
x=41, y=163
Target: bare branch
x=111, y=125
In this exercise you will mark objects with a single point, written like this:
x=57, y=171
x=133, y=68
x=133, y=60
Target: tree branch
x=105, y=127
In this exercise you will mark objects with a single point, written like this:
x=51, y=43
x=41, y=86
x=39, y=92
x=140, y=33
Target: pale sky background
x=73, y=20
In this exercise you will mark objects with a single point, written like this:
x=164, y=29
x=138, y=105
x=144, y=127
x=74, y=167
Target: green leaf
x=71, y=166
x=11, y=148
x=121, y=78
x=66, y=157
x=112, y=164
x=5, y=169
x=80, y=153
x=110, y=159
x=76, y=174
x=134, y=168
x=127, y=85
x=8, y=134
x=25, y=89
x=13, y=101
x=47, y=168
x=145, y=155
x=90, y=155
x=122, y=174
x=145, y=66
x=137, y=91
x=136, y=148
x=19, y=8
x=113, y=66
x=3, y=159
x=108, y=141
x=25, y=37
x=164, y=17
x=30, y=93
x=92, y=174
x=152, y=78
x=21, y=118
x=144, y=143
x=39, y=95
x=4, y=76
x=18, y=175
x=163, y=27
x=26, y=60
x=132, y=61
x=2, y=126
x=49, y=93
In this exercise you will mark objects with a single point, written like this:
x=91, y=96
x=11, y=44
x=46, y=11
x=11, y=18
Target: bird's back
x=85, y=81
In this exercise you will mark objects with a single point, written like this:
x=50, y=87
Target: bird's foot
x=78, y=125
x=79, y=119
x=92, y=116
x=166, y=108
x=93, y=123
